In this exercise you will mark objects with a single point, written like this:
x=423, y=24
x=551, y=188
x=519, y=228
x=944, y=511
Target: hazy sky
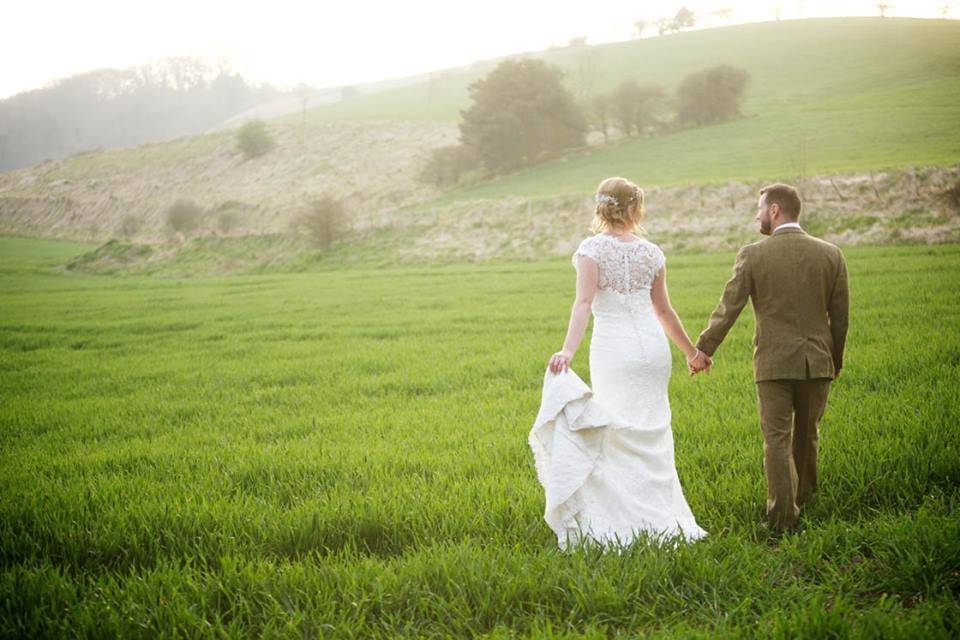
x=335, y=43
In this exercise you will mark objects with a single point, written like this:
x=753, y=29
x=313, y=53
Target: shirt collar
x=788, y=225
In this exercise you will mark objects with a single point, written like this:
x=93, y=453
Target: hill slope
x=371, y=165
x=825, y=96
x=789, y=60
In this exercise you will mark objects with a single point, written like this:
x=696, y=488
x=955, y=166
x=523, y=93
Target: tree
x=227, y=220
x=639, y=27
x=601, y=113
x=322, y=222
x=944, y=10
x=711, y=95
x=303, y=91
x=623, y=106
x=520, y=114
x=951, y=196
x=186, y=73
x=585, y=72
x=722, y=14
x=109, y=108
x=637, y=106
x=664, y=25
x=447, y=164
x=883, y=7
x=651, y=106
x=684, y=19
x=253, y=139
x=130, y=225
x=184, y=216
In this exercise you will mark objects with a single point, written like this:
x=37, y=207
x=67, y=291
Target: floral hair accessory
x=602, y=198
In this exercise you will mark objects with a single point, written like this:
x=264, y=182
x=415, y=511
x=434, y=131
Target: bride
x=630, y=486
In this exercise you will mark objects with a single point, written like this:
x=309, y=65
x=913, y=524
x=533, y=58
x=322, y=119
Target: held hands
x=560, y=361
x=698, y=362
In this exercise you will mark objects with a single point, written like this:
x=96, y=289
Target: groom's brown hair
x=784, y=195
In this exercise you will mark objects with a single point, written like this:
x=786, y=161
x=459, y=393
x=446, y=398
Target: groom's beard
x=765, y=227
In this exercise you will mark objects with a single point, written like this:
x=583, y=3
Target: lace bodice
x=624, y=267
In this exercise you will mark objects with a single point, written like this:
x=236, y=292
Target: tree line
x=521, y=114
x=111, y=108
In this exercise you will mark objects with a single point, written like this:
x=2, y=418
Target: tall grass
x=343, y=454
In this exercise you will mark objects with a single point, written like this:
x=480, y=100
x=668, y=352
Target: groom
x=798, y=286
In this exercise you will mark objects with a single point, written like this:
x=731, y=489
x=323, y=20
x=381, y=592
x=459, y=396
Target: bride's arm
x=668, y=317
x=587, y=278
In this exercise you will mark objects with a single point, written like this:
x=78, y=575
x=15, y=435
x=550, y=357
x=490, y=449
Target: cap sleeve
x=587, y=248
x=659, y=260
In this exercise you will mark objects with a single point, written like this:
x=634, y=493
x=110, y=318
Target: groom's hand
x=699, y=362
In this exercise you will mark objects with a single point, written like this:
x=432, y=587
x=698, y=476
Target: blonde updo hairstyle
x=616, y=198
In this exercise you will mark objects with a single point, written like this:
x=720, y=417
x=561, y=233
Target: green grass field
x=825, y=96
x=344, y=454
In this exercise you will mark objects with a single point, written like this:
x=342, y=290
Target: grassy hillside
x=344, y=455
x=373, y=166
x=826, y=95
x=912, y=124
x=789, y=60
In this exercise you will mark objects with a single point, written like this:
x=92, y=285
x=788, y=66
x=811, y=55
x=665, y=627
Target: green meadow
x=343, y=453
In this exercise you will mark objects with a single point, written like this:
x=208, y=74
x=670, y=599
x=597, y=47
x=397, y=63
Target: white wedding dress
x=606, y=458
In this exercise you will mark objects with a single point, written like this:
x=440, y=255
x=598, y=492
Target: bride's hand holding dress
x=587, y=281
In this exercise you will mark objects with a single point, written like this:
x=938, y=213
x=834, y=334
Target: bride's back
x=623, y=267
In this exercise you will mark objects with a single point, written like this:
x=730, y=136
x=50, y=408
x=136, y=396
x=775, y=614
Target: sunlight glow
x=331, y=44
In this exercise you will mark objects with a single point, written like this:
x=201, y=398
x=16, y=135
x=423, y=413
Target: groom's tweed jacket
x=798, y=286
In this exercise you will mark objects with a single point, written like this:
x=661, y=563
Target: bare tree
x=944, y=10
x=187, y=72
x=431, y=85
x=303, y=92
x=130, y=225
x=601, y=113
x=684, y=19
x=639, y=27
x=721, y=14
x=637, y=107
x=109, y=108
x=883, y=7
x=586, y=71
x=663, y=25
x=322, y=221
x=778, y=11
x=624, y=105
